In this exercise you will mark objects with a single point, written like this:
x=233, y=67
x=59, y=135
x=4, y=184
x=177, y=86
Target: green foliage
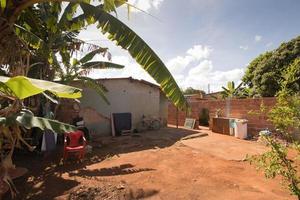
x=2, y=4
x=291, y=78
x=231, y=91
x=22, y=87
x=58, y=35
x=191, y=90
x=276, y=162
x=139, y=50
x=285, y=116
x=111, y=5
x=26, y=119
x=14, y=117
x=288, y=101
x=265, y=73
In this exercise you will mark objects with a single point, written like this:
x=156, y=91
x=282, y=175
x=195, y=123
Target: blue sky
x=203, y=41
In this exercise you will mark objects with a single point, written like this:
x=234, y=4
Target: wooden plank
x=221, y=125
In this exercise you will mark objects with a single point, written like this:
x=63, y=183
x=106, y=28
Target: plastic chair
x=74, y=142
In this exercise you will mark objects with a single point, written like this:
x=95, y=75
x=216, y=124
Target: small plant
x=218, y=112
x=276, y=162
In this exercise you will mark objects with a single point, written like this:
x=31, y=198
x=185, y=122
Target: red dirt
x=152, y=165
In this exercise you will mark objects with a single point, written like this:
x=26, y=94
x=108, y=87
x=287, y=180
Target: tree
x=91, y=14
x=25, y=36
x=231, y=91
x=79, y=69
x=191, y=90
x=14, y=116
x=285, y=116
x=265, y=73
x=56, y=47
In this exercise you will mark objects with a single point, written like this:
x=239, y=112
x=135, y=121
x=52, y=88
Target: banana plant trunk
x=13, y=52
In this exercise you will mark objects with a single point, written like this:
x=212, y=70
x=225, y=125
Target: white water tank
x=240, y=130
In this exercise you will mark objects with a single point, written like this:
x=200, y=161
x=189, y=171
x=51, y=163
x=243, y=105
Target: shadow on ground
x=45, y=181
x=112, y=171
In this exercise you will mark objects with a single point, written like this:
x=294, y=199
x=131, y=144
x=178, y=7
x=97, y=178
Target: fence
x=234, y=108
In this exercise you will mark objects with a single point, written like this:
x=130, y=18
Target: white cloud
x=192, y=69
x=145, y=5
x=245, y=48
x=257, y=38
x=204, y=74
x=131, y=69
x=204, y=67
x=199, y=51
x=178, y=64
x=195, y=69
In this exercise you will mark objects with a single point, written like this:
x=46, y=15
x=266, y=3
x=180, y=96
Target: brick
x=239, y=108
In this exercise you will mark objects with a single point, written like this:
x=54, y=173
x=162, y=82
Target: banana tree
x=109, y=25
x=56, y=47
x=78, y=69
x=15, y=117
x=231, y=91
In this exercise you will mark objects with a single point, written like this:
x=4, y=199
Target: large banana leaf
x=101, y=65
x=27, y=120
x=23, y=87
x=92, y=54
x=125, y=37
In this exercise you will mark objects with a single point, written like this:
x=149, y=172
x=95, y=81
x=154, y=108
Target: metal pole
x=208, y=88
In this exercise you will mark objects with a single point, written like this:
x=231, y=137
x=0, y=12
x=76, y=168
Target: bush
x=285, y=116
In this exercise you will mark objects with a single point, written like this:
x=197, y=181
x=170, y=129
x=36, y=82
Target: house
x=213, y=96
x=193, y=97
x=139, y=97
x=200, y=96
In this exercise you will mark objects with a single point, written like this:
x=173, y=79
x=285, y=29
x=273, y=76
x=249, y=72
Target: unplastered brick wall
x=249, y=109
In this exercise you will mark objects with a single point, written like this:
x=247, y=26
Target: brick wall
x=235, y=108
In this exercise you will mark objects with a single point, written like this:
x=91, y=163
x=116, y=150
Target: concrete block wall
x=124, y=95
x=235, y=108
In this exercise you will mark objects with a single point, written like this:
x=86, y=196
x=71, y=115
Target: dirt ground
x=166, y=164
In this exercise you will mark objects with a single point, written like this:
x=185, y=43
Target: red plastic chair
x=74, y=142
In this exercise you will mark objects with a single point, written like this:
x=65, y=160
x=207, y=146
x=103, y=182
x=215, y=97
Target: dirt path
x=155, y=165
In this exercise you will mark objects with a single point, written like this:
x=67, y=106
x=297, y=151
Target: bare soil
x=166, y=164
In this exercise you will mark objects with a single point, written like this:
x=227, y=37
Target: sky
x=202, y=42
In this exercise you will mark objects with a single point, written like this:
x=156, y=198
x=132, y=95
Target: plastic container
x=240, y=130
x=232, y=127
